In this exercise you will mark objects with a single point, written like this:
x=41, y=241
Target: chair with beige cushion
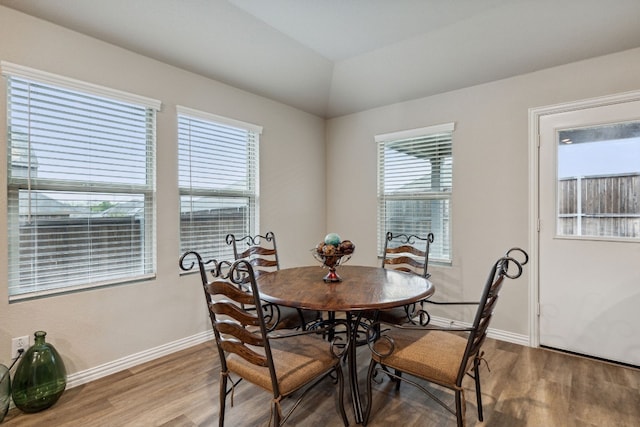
x=281, y=363
x=442, y=356
x=262, y=253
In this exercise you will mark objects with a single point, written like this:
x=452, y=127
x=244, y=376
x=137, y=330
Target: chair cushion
x=433, y=355
x=396, y=315
x=290, y=317
x=297, y=361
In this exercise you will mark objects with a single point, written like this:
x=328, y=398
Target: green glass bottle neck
x=39, y=337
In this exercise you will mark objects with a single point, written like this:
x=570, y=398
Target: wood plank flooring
x=525, y=387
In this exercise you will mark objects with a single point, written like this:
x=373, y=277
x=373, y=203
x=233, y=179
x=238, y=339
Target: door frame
x=534, y=192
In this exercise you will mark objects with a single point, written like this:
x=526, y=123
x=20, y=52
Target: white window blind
x=81, y=184
x=415, y=176
x=218, y=181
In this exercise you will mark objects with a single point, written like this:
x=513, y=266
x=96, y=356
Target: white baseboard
x=92, y=374
x=118, y=365
x=491, y=333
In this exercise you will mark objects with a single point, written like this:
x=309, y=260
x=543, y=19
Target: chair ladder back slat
x=402, y=250
x=254, y=251
x=496, y=286
x=241, y=333
x=404, y=260
x=245, y=352
x=259, y=247
x=406, y=249
x=262, y=262
x=227, y=308
x=230, y=291
x=488, y=307
x=479, y=336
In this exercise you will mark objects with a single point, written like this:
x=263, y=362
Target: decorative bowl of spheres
x=333, y=252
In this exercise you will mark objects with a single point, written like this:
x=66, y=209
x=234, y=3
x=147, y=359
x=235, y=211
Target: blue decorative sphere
x=332, y=239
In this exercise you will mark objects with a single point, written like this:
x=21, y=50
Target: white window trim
x=411, y=133
x=14, y=70
x=186, y=111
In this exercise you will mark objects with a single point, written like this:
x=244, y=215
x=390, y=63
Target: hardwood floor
x=525, y=387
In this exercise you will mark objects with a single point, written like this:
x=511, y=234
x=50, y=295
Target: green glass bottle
x=40, y=378
x=5, y=391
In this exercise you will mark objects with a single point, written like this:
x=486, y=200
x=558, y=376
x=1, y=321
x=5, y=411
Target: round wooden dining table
x=362, y=288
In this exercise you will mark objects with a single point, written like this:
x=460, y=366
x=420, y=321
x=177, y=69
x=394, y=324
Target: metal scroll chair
x=261, y=252
x=443, y=356
x=408, y=253
x=280, y=363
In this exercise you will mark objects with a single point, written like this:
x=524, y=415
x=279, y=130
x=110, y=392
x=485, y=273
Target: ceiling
x=335, y=57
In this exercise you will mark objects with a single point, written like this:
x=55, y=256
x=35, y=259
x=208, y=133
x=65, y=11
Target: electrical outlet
x=20, y=343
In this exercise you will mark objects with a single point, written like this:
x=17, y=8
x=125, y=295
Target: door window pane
x=599, y=181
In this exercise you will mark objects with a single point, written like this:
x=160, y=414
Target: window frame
x=25, y=75
x=217, y=249
x=442, y=237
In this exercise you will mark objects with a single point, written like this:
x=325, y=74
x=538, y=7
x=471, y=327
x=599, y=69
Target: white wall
x=95, y=327
x=490, y=208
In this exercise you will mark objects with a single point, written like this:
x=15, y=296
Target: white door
x=589, y=240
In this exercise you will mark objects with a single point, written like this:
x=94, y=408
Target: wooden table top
x=362, y=288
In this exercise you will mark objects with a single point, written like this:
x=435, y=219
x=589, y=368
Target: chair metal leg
x=223, y=398
x=275, y=409
x=397, y=380
x=476, y=377
x=459, y=408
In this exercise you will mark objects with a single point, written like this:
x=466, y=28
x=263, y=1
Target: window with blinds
x=218, y=181
x=81, y=184
x=415, y=174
